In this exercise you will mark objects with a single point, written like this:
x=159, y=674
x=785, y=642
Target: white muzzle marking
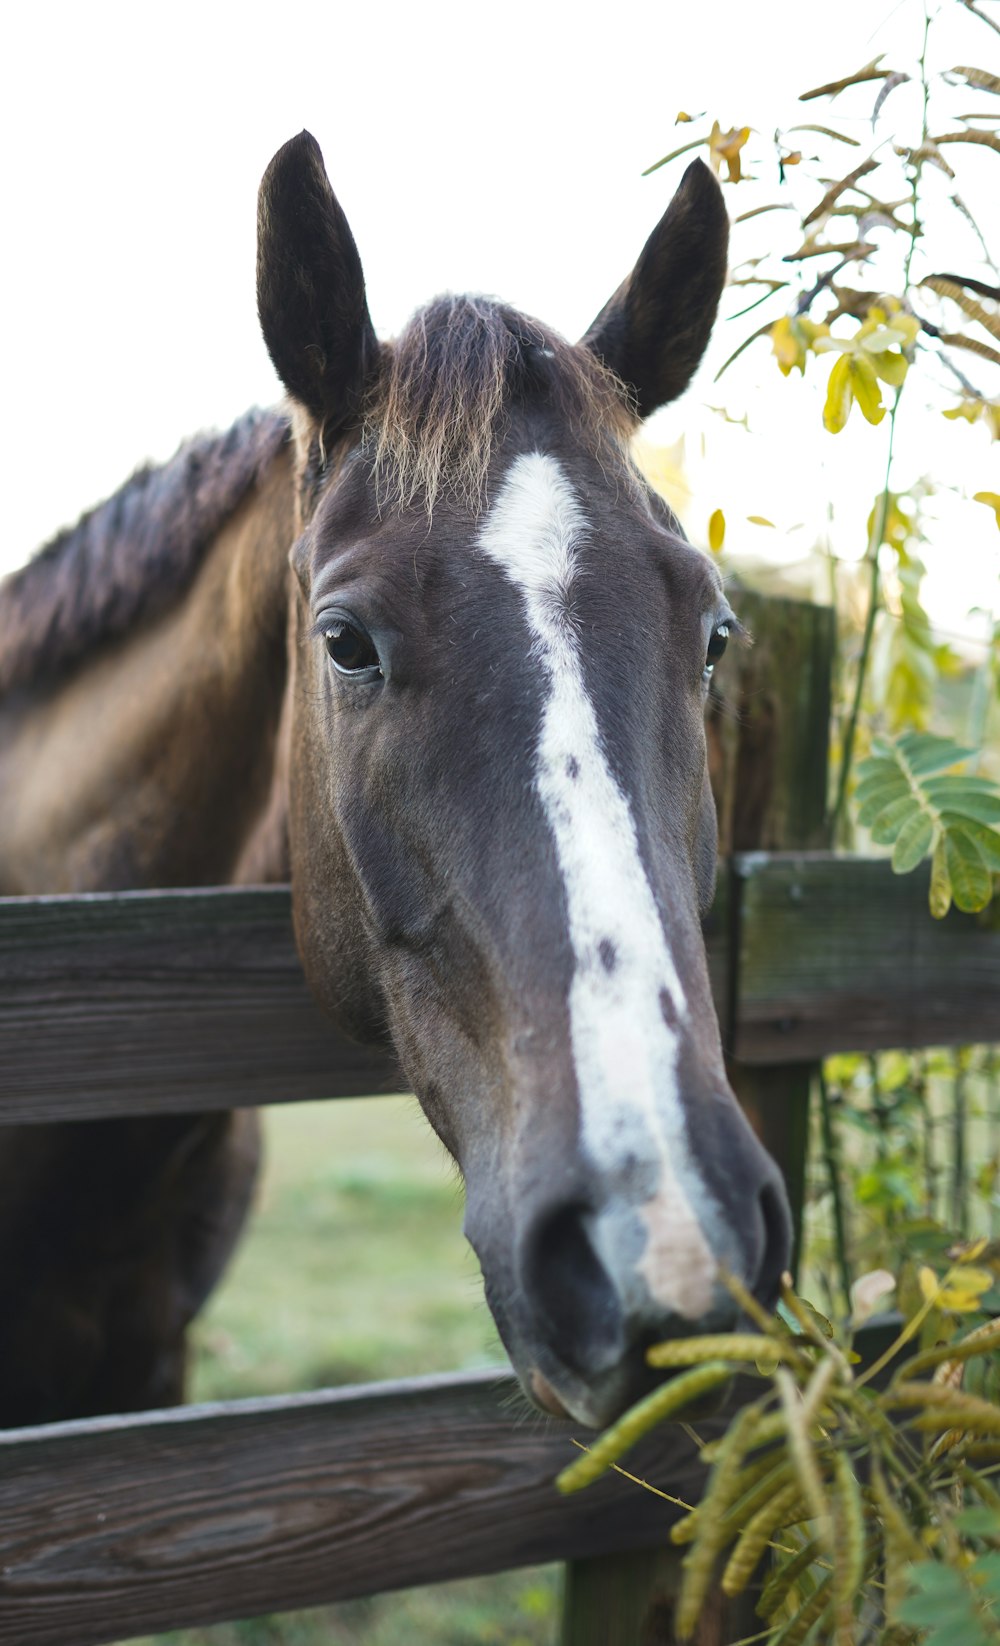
x=624, y=1051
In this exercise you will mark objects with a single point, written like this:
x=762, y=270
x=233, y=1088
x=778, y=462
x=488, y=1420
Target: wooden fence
x=194, y=999
x=113, y=1527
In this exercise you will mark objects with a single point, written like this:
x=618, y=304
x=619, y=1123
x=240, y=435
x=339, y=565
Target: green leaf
x=913, y=842
x=876, y=766
x=924, y=753
x=943, y=1600
x=986, y=841
x=976, y=806
x=986, y=1570
x=978, y=1521
x=890, y=820
x=940, y=892
x=911, y=801
x=877, y=799
x=971, y=881
x=958, y=783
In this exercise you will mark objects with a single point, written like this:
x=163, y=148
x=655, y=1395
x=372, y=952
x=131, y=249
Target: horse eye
x=350, y=648
x=716, y=646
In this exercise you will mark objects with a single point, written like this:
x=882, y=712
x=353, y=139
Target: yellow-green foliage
x=868, y=1486
x=912, y=800
x=855, y=289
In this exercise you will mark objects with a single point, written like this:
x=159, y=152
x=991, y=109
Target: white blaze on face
x=625, y=1052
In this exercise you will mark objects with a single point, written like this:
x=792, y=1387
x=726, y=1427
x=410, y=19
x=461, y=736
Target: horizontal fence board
x=166, y=1002
x=840, y=954
x=181, y=1001
x=115, y=1527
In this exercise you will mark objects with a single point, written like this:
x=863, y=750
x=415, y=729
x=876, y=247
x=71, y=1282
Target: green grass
x=355, y=1268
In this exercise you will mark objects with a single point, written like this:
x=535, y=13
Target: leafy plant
x=868, y=1487
x=859, y=283
x=911, y=799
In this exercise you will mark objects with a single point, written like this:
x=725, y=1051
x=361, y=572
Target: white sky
x=494, y=148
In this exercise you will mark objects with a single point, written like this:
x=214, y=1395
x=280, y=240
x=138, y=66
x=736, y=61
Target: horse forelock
x=132, y=555
x=441, y=401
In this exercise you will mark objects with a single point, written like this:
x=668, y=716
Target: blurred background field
x=355, y=1265
x=355, y=1268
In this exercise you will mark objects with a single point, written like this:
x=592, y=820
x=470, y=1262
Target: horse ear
x=310, y=287
x=654, y=330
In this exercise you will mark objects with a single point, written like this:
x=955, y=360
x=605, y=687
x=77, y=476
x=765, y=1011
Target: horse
x=425, y=643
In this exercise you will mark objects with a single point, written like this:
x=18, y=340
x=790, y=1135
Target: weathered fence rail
x=113, y=1527
x=841, y=955
x=196, y=999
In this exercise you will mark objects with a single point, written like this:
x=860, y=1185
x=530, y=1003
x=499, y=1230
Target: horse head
x=502, y=832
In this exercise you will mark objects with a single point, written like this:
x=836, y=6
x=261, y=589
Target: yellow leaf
x=839, y=395
x=759, y=520
x=725, y=146
x=792, y=337
x=785, y=346
x=976, y=409
x=963, y=1288
x=928, y=1282
x=992, y=501
x=890, y=367
x=866, y=390
x=682, y=119
x=716, y=530
x=969, y=1280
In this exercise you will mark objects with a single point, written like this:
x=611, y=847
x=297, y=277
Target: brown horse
x=435, y=651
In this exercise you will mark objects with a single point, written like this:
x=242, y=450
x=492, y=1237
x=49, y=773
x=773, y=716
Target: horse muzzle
x=605, y=1265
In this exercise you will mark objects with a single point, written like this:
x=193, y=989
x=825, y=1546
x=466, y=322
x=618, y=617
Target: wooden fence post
x=774, y=798
x=768, y=756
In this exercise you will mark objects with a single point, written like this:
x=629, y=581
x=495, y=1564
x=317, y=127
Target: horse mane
x=132, y=556
x=439, y=405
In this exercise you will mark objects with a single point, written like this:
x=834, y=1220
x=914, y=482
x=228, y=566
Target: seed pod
x=945, y=1407
x=722, y=1345
x=768, y=1429
x=754, y=1483
x=710, y=1538
x=801, y=1448
x=899, y=1543
x=686, y=1530
x=895, y=1526
x=755, y=1537
x=979, y=1342
x=664, y=1402
x=757, y=1493
x=781, y=1580
x=961, y=1423
x=817, y=1607
x=848, y=1547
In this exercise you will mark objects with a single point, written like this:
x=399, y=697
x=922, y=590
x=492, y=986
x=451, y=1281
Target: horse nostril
x=776, y=1247
x=572, y=1292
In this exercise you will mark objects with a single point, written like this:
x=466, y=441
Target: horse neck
x=158, y=761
